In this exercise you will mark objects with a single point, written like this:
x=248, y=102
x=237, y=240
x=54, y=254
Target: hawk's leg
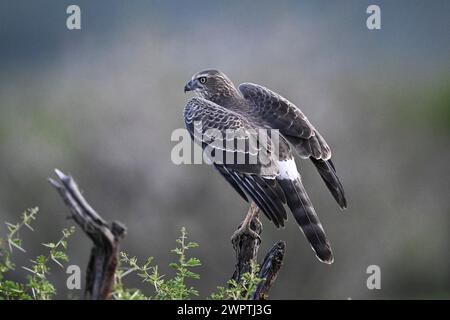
x=245, y=228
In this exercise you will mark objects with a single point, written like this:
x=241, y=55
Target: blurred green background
x=101, y=103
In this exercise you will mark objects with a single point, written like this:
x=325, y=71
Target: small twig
x=105, y=253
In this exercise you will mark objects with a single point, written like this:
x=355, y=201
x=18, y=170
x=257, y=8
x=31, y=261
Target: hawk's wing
x=210, y=125
x=281, y=114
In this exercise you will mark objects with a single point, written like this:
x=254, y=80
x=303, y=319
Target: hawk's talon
x=245, y=230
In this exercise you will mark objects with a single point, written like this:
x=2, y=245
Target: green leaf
x=193, y=262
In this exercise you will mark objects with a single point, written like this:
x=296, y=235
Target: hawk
x=274, y=182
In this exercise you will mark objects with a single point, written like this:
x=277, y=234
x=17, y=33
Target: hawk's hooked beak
x=191, y=85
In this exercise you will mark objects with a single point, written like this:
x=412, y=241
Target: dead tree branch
x=106, y=238
x=269, y=270
x=246, y=246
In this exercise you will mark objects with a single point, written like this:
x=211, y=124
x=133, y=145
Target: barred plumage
x=271, y=181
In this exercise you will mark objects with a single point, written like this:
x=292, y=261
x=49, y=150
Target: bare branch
x=105, y=253
x=269, y=270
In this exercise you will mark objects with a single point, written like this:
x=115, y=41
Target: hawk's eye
x=202, y=80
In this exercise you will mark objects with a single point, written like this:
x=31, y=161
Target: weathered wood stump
x=106, y=238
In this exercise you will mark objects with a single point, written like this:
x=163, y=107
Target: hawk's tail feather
x=306, y=217
x=328, y=173
x=226, y=174
x=273, y=189
x=262, y=194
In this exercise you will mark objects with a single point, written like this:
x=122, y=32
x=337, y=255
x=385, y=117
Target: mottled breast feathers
x=214, y=125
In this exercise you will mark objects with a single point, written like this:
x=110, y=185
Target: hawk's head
x=211, y=85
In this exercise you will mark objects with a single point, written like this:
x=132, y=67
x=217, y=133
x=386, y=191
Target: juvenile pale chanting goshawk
x=271, y=184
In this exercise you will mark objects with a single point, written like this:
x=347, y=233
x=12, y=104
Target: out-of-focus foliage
x=432, y=111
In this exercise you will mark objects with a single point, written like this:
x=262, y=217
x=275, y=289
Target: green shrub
x=38, y=287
